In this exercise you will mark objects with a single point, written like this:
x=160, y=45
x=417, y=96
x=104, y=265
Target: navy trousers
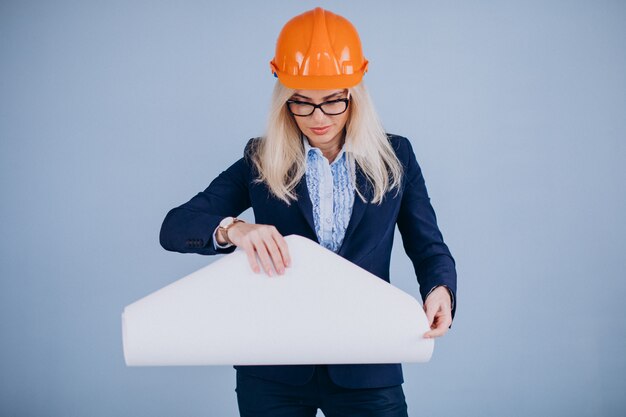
x=261, y=398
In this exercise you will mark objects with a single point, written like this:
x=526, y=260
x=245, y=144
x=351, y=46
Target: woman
x=325, y=170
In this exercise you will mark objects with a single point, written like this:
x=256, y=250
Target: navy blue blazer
x=367, y=242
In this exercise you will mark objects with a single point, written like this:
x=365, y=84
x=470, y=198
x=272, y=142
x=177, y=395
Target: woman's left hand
x=438, y=308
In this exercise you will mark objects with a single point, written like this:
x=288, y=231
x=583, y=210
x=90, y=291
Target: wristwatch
x=225, y=224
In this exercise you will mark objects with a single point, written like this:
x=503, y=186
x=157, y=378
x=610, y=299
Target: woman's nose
x=318, y=115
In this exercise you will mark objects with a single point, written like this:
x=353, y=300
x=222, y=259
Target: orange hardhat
x=318, y=50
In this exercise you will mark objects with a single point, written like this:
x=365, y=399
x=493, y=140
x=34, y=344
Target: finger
x=283, y=248
x=430, y=314
x=275, y=255
x=436, y=332
x=251, y=254
x=441, y=324
x=264, y=257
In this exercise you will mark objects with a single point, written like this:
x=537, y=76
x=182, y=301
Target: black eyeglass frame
x=318, y=106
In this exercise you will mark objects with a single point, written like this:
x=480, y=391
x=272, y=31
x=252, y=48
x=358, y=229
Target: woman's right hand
x=262, y=240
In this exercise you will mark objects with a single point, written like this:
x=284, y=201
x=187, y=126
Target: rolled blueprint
x=323, y=310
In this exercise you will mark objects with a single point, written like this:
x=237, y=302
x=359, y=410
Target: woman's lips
x=320, y=130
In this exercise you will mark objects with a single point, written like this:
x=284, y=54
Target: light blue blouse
x=331, y=189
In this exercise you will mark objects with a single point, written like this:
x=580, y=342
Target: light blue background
x=111, y=113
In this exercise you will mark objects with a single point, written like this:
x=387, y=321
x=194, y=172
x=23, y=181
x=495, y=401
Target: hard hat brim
x=298, y=82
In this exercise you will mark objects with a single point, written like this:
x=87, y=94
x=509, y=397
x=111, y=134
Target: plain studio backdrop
x=111, y=113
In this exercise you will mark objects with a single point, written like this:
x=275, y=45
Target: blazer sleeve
x=421, y=238
x=189, y=228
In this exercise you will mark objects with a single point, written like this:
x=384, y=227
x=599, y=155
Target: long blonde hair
x=279, y=157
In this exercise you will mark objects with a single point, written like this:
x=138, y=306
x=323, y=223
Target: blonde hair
x=279, y=157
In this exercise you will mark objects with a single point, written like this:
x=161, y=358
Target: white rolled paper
x=323, y=310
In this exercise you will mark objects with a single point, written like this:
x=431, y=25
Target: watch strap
x=224, y=230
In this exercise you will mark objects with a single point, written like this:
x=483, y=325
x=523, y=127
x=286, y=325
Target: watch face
x=227, y=221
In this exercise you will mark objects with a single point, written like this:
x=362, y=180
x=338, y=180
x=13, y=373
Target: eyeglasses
x=329, y=108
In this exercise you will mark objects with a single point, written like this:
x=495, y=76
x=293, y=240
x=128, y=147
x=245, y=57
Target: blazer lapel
x=304, y=202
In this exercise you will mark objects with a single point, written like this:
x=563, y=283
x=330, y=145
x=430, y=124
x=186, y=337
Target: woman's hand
x=262, y=240
x=438, y=308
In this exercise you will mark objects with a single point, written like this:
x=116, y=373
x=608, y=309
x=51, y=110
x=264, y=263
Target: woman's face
x=323, y=131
